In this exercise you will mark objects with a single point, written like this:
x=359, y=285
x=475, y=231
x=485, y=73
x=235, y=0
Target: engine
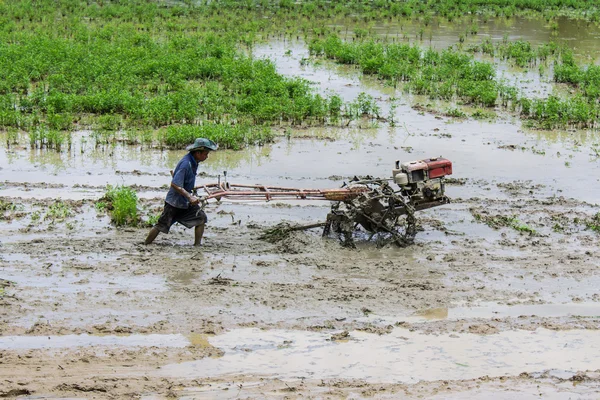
x=423, y=180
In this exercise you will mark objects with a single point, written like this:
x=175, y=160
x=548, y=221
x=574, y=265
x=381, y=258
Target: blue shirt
x=184, y=176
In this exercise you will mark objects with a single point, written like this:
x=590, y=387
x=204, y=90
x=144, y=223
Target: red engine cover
x=438, y=167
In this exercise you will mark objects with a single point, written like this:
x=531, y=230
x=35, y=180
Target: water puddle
x=400, y=357
x=85, y=340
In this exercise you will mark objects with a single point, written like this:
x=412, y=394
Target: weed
x=43, y=137
x=121, y=202
x=101, y=206
x=594, y=223
x=7, y=206
x=482, y=114
x=58, y=211
x=499, y=221
x=152, y=219
x=456, y=113
x=12, y=137
x=35, y=216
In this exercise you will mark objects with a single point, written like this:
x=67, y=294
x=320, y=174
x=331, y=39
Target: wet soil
x=98, y=281
x=495, y=282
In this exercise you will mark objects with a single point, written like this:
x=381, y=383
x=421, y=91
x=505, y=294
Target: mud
x=461, y=278
x=511, y=266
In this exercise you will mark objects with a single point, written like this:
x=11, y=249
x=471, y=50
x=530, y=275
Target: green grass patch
x=144, y=65
x=152, y=219
x=121, y=203
x=445, y=75
x=453, y=76
x=501, y=221
x=227, y=136
x=6, y=205
x=58, y=211
x=594, y=223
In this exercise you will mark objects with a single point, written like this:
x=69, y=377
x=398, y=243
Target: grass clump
x=58, y=211
x=153, y=219
x=500, y=221
x=594, y=223
x=7, y=206
x=121, y=204
x=43, y=137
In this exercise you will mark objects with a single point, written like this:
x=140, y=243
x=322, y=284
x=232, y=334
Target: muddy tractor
x=383, y=207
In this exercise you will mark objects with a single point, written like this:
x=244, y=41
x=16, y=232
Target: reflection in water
x=84, y=154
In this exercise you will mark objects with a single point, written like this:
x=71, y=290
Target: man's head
x=200, y=148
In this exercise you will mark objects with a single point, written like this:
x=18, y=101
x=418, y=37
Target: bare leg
x=198, y=233
x=152, y=235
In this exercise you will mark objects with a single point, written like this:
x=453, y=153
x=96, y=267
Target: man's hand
x=194, y=200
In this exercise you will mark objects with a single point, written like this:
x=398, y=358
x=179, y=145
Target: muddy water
x=402, y=356
x=581, y=36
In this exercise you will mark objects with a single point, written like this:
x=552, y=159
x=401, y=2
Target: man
x=180, y=205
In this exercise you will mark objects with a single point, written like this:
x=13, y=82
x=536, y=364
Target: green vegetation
x=594, y=223
x=227, y=136
x=127, y=69
x=453, y=76
x=143, y=65
x=35, y=216
x=499, y=221
x=444, y=75
x=521, y=53
x=121, y=202
x=152, y=219
x=58, y=211
x=42, y=137
x=7, y=206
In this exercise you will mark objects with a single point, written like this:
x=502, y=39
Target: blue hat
x=201, y=143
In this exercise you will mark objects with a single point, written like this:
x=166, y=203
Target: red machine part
x=438, y=167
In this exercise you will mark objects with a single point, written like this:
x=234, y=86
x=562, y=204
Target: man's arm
x=177, y=184
x=192, y=199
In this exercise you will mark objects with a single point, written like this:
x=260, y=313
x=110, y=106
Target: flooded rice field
x=476, y=308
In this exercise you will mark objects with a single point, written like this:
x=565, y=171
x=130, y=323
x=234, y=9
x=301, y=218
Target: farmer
x=180, y=205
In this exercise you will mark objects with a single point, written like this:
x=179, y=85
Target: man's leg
x=198, y=233
x=163, y=224
x=152, y=235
